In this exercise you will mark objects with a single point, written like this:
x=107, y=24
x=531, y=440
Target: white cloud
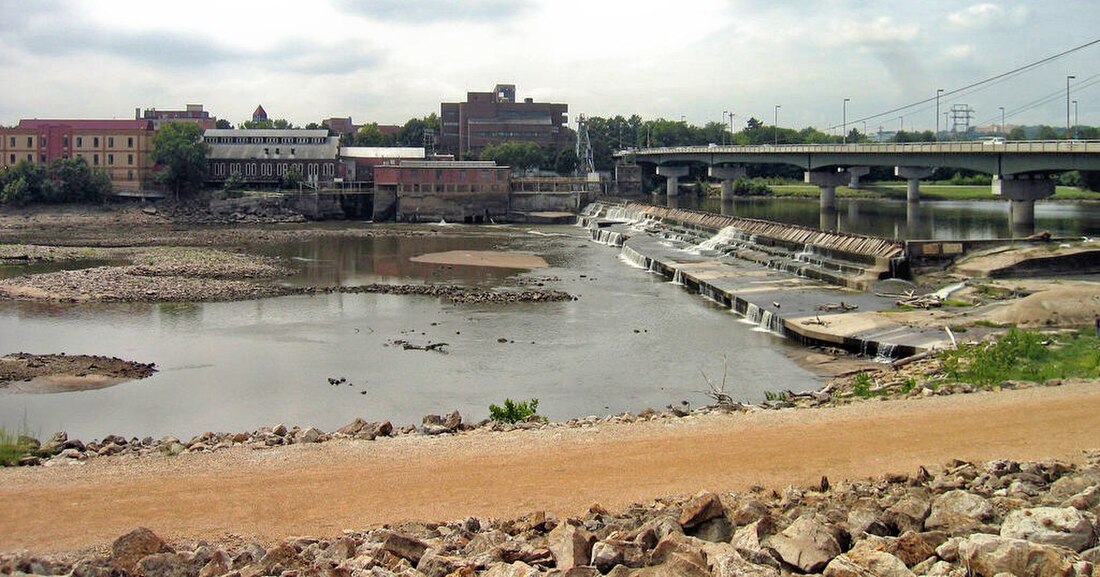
x=976, y=16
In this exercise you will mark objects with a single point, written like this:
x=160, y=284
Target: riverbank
x=239, y=495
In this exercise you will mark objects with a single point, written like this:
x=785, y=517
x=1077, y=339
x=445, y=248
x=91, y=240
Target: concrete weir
x=804, y=284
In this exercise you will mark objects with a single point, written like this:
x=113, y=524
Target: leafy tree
x=1090, y=180
x=566, y=161
x=234, y=183
x=521, y=156
x=16, y=192
x=412, y=133
x=1017, y=133
x=370, y=135
x=278, y=123
x=223, y=124
x=315, y=126
x=72, y=180
x=180, y=151
x=292, y=177
x=1047, y=133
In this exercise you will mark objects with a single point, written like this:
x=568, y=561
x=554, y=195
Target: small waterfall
x=886, y=352
x=634, y=258
x=753, y=314
x=711, y=294
x=605, y=236
x=655, y=267
x=678, y=277
x=772, y=323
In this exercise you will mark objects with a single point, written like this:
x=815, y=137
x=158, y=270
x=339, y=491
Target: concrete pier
x=827, y=181
x=857, y=173
x=912, y=176
x=1022, y=190
x=672, y=174
x=727, y=174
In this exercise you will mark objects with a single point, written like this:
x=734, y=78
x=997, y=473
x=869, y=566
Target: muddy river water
x=630, y=341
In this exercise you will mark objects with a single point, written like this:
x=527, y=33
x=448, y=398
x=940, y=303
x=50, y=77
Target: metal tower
x=585, y=164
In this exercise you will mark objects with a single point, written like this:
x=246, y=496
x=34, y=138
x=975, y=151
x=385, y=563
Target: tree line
x=63, y=180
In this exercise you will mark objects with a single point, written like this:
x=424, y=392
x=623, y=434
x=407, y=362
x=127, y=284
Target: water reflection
x=960, y=220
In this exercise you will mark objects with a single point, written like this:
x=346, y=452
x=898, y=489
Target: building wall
x=454, y=191
x=122, y=148
x=264, y=156
x=488, y=118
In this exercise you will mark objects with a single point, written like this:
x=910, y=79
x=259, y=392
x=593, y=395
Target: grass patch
x=861, y=386
x=1025, y=355
x=14, y=447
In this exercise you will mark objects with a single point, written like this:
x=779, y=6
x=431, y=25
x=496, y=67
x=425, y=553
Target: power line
x=962, y=90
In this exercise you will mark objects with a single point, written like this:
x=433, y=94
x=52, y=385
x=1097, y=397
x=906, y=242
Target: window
x=30, y=141
x=110, y=160
x=12, y=161
x=130, y=159
x=43, y=159
x=11, y=142
x=277, y=152
x=79, y=141
x=266, y=151
x=95, y=141
x=42, y=141
x=292, y=152
x=129, y=175
x=65, y=141
x=110, y=142
x=95, y=160
x=130, y=142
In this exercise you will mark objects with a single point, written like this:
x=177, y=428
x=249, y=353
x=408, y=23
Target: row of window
x=270, y=169
x=264, y=140
x=95, y=159
x=65, y=141
x=461, y=175
x=440, y=188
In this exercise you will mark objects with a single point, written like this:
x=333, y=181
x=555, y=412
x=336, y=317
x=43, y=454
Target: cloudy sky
x=390, y=60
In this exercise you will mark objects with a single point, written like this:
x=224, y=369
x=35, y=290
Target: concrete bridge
x=1020, y=169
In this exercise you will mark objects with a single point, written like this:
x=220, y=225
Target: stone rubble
x=992, y=519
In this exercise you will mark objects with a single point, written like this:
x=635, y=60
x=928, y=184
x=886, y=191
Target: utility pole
x=939, y=91
x=1076, y=125
x=1002, y=120
x=776, y=126
x=844, y=126
x=1068, y=78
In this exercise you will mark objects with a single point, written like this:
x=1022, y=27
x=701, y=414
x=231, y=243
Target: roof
x=82, y=124
x=251, y=132
x=259, y=112
x=381, y=152
x=449, y=164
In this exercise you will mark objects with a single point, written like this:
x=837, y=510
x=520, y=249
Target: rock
x=808, y=543
x=432, y=429
x=701, y=508
x=908, y=514
x=864, y=520
x=453, y=421
x=752, y=537
x=404, y=546
x=308, y=435
x=570, y=545
x=716, y=530
x=433, y=564
x=990, y=555
x=1064, y=527
x=167, y=565
x=353, y=427
x=383, y=429
x=132, y=547
x=724, y=560
x=517, y=569
x=218, y=564
x=958, y=512
x=284, y=556
x=867, y=563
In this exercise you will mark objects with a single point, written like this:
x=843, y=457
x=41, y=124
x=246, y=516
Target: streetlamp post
x=776, y=126
x=1068, y=78
x=939, y=91
x=844, y=126
x=731, y=127
x=725, y=113
x=1002, y=120
x=1076, y=124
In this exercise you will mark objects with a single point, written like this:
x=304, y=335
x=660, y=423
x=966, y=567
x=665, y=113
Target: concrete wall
x=550, y=201
x=452, y=207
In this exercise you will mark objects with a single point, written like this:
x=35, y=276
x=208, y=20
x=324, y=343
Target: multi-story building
x=264, y=156
x=430, y=191
x=486, y=118
x=123, y=148
x=193, y=113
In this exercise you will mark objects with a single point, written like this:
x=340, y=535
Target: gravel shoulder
x=322, y=489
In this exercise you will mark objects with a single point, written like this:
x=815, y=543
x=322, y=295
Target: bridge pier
x=672, y=174
x=827, y=181
x=1022, y=190
x=857, y=172
x=727, y=174
x=912, y=176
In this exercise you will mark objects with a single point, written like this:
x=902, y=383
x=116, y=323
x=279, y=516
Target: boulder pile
x=990, y=519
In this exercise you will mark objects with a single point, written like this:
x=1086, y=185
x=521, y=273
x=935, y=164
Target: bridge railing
x=1013, y=146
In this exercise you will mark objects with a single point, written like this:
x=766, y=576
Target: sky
x=387, y=61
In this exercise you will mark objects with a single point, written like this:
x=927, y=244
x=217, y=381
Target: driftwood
x=816, y=321
x=911, y=299
x=836, y=307
x=912, y=359
x=437, y=347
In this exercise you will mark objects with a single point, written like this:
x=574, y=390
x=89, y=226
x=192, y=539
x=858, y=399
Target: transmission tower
x=429, y=141
x=585, y=164
x=961, y=115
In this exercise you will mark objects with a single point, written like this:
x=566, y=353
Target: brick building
x=359, y=161
x=263, y=156
x=486, y=118
x=430, y=191
x=192, y=113
x=123, y=148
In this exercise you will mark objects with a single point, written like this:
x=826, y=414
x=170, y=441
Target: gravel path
x=321, y=489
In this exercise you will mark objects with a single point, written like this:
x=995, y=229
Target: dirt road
x=321, y=489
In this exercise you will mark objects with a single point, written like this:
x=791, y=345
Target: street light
x=731, y=127
x=1002, y=119
x=844, y=127
x=725, y=113
x=1076, y=124
x=1068, y=78
x=776, y=125
x=938, y=91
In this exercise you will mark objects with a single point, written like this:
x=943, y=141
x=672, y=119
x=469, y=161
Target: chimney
x=137, y=113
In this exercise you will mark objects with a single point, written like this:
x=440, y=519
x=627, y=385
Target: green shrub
x=750, y=187
x=514, y=412
x=861, y=386
x=1024, y=355
x=14, y=447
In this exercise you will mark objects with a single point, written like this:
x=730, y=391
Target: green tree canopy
x=64, y=180
x=370, y=135
x=180, y=151
x=518, y=155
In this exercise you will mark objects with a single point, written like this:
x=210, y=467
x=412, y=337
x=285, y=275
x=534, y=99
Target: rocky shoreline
x=985, y=519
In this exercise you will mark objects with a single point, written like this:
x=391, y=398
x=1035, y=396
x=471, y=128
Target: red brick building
x=430, y=191
x=486, y=118
x=123, y=148
x=192, y=113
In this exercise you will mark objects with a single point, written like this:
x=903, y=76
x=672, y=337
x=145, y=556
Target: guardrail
x=1013, y=146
